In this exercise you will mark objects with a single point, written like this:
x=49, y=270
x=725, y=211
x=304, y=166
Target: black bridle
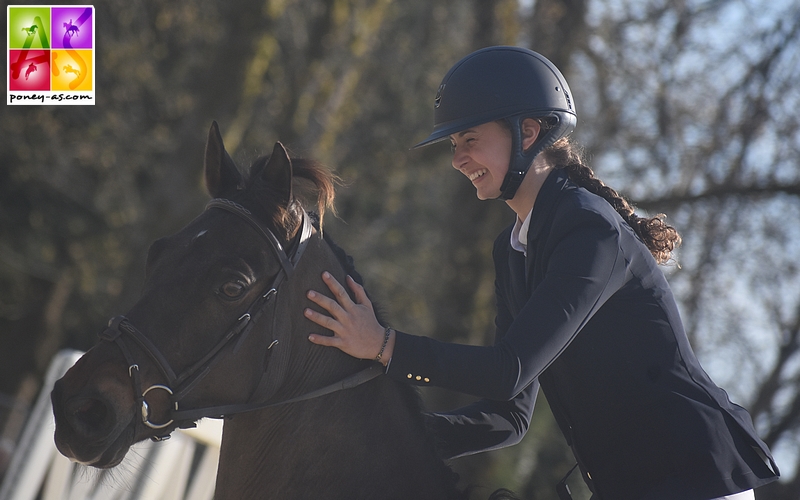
x=179, y=385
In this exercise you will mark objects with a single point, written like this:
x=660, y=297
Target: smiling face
x=482, y=153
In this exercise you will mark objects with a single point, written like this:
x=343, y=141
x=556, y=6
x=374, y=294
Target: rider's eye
x=232, y=289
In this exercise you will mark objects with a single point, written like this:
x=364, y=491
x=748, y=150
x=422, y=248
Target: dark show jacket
x=590, y=316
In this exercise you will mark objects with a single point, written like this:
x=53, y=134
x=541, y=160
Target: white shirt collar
x=519, y=235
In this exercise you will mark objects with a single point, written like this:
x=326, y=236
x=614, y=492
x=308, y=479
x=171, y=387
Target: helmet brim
x=443, y=130
x=431, y=139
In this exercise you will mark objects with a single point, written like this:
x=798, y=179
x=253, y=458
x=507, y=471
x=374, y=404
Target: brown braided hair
x=659, y=237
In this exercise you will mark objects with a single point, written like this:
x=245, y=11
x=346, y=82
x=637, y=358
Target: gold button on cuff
x=427, y=379
x=409, y=375
x=418, y=377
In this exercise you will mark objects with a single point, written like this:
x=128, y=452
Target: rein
x=179, y=385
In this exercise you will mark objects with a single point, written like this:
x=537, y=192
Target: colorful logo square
x=29, y=70
x=72, y=70
x=28, y=27
x=51, y=54
x=71, y=27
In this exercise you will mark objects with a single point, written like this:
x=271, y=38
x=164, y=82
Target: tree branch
x=676, y=199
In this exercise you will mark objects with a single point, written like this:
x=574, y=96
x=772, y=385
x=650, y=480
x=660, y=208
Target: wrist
x=387, y=347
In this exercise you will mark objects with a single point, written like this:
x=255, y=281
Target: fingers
x=343, y=301
x=325, y=322
x=356, y=330
x=337, y=289
x=324, y=340
x=322, y=320
x=359, y=292
x=334, y=308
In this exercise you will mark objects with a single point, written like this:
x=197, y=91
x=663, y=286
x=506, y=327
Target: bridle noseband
x=179, y=385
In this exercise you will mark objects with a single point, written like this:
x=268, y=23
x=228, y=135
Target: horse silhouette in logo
x=71, y=29
x=30, y=70
x=69, y=69
x=30, y=31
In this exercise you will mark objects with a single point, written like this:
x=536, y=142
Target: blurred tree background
x=687, y=107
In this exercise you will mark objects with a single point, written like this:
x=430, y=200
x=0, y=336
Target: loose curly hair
x=659, y=237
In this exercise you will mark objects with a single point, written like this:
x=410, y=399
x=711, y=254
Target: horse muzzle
x=90, y=429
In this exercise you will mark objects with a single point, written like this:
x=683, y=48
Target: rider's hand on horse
x=356, y=330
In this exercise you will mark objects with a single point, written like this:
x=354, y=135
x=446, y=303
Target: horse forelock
x=313, y=189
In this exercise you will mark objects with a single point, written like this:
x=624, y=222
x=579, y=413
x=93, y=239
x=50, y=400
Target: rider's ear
x=221, y=173
x=277, y=174
x=530, y=130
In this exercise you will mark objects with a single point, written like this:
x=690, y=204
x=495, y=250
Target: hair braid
x=659, y=237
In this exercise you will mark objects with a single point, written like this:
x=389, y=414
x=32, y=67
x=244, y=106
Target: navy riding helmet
x=510, y=83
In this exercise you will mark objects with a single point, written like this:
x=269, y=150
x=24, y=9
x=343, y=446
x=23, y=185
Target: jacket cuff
x=409, y=363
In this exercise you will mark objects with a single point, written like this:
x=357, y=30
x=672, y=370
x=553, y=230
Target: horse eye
x=232, y=289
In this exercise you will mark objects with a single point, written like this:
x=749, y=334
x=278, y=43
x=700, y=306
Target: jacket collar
x=545, y=202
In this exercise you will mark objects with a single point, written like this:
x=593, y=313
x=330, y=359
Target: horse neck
x=365, y=442
x=299, y=365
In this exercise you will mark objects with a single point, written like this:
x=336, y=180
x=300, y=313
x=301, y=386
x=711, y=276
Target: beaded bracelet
x=386, y=334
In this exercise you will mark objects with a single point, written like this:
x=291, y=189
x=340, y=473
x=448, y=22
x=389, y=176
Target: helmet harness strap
x=553, y=128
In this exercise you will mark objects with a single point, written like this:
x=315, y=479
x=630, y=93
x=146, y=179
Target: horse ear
x=277, y=174
x=221, y=173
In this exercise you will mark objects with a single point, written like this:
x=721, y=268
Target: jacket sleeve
x=584, y=266
x=484, y=425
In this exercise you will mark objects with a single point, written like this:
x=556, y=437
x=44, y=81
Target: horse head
x=219, y=326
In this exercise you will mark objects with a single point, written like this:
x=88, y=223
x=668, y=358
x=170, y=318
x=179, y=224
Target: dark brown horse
x=219, y=331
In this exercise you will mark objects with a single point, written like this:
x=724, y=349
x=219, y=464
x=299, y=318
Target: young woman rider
x=582, y=308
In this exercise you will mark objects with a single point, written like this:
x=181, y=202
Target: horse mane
x=312, y=184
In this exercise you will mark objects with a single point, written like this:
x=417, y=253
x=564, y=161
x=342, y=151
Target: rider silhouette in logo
x=71, y=29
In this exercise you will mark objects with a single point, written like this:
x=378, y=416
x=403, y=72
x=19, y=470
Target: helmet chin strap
x=521, y=160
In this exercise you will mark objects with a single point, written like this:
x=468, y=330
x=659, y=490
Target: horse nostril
x=86, y=415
